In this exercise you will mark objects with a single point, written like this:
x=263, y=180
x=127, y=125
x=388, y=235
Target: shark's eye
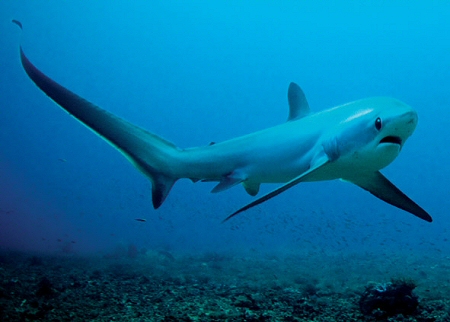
x=378, y=124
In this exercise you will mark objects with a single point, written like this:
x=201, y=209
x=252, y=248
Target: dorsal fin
x=298, y=105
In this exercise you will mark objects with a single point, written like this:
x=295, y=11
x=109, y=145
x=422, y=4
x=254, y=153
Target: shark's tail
x=151, y=154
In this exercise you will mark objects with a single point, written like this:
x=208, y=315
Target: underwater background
x=196, y=72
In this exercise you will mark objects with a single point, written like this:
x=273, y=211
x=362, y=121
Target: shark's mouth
x=391, y=139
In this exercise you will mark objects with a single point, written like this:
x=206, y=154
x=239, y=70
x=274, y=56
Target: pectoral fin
x=380, y=187
x=320, y=162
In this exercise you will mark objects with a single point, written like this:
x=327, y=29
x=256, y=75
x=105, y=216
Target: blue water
x=201, y=71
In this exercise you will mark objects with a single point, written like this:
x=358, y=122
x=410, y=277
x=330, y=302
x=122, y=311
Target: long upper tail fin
x=150, y=153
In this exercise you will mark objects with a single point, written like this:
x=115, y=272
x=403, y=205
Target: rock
x=389, y=299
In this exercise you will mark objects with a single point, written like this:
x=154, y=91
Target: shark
x=351, y=142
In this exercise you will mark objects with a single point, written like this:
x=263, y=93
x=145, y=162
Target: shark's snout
x=409, y=123
x=413, y=118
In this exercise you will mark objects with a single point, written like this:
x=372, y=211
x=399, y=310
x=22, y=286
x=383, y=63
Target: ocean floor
x=142, y=285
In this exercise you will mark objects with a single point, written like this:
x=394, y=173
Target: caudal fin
x=150, y=153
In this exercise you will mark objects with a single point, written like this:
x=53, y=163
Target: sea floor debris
x=205, y=287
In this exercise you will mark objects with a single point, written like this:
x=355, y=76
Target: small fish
x=18, y=23
x=141, y=219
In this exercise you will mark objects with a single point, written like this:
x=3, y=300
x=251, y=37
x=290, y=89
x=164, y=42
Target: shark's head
x=395, y=123
x=371, y=132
